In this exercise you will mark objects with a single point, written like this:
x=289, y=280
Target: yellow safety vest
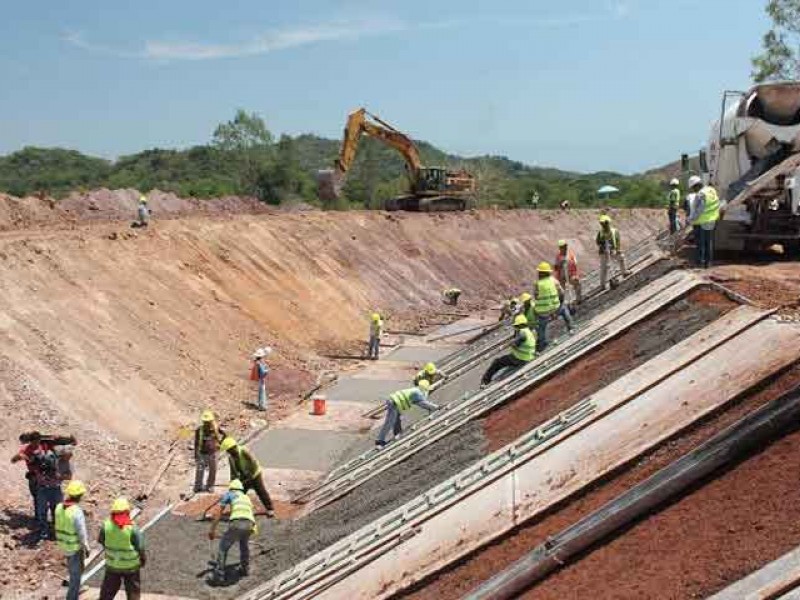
x=242, y=508
x=711, y=208
x=66, y=533
x=527, y=351
x=121, y=556
x=674, y=198
x=402, y=399
x=245, y=465
x=547, y=300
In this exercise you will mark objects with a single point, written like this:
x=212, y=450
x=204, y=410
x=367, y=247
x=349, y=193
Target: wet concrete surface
x=364, y=390
x=306, y=449
x=179, y=547
x=419, y=354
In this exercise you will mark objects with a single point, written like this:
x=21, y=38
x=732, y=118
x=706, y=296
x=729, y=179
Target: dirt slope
x=122, y=337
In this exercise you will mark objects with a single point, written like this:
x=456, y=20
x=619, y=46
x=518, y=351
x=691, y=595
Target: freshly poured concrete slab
x=420, y=354
x=339, y=416
x=305, y=449
x=364, y=390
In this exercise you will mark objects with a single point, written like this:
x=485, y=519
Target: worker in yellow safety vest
x=245, y=467
x=398, y=403
x=241, y=525
x=523, y=351
x=124, y=548
x=375, y=333
x=609, y=245
x=207, y=438
x=548, y=304
x=429, y=372
x=706, y=210
x=70, y=526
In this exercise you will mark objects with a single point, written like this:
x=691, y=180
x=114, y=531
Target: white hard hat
x=674, y=181
x=694, y=180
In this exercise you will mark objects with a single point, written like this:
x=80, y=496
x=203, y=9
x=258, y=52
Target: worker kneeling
x=398, y=403
x=523, y=351
x=241, y=525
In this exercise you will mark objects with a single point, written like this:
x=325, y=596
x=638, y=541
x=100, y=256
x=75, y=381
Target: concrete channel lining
x=418, y=354
x=435, y=426
x=364, y=390
x=305, y=449
x=630, y=416
x=775, y=580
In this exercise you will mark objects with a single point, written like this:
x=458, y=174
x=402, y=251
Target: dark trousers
x=32, y=489
x=502, y=362
x=672, y=215
x=257, y=485
x=113, y=581
x=704, y=241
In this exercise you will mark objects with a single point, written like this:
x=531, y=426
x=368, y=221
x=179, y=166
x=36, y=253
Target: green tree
x=245, y=145
x=779, y=58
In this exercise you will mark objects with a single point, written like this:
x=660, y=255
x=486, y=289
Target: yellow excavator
x=432, y=188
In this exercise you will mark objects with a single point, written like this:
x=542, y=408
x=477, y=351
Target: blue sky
x=584, y=84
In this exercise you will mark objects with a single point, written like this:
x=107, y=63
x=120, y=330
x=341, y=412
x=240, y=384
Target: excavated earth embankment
x=122, y=336
x=285, y=544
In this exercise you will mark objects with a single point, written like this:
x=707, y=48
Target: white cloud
x=294, y=37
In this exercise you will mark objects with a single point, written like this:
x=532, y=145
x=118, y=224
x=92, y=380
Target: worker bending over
x=71, y=535
x=673, y=203
x=124, y=548
x=245, y=468
x=548, y=303
x=451, y=296
x=375, y=333
x=207, y=439
x=241, y=525
x=609, y=246
x=509, y=308
x=705, y=212
x=398, y=403
x=430, y=373
x=566, y=268
x=523, y=351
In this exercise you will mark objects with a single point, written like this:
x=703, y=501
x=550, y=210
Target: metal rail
x=457, y=413
x=385, y=533
x=736, y=441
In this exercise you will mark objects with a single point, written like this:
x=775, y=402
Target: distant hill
x=672, y=170
x=378, y=173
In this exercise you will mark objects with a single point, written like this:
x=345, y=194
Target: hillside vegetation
x=243, y=158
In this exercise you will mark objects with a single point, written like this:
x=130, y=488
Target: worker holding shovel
x=242, y=524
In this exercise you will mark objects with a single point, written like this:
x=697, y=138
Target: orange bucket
x=319, y=405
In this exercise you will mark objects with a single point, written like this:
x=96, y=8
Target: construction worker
x=704, y=216
x=261, y=370
x=33, y=448
x=523, y=350
x=142, y=213
x=526, y=306
x=548, y=303
x=451, y=296
x=609, y=246
x=375, y=333
x=207, y=438
x=241, y=525
x=430, y=373
x=245, y=468
x=399, y=402
x=673, y=203
x=123, y=543
x=70, y=524
x=566, y=268
x=509, y=308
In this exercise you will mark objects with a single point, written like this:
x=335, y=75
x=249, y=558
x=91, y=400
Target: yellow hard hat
x=236, y=485
x=524, y=297
x=376, y=317
x=75, y=488
x=520, y=320
x=544, y=267
x=228, y=443
x=143, y=199
x=604, y=219
x=207, y=416
x=120, y=505
x=562, y=243
x=430, y=368
x=424, y=385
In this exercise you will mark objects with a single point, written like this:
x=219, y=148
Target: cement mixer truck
x=753, y=159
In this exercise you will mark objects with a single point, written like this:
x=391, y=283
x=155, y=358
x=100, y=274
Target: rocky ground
x=123, y=336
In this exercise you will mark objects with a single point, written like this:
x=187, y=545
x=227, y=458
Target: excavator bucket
x=329, y=185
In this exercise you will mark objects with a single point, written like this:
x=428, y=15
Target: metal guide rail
x=638, y=254
x=387, y=532
x=455, y=414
